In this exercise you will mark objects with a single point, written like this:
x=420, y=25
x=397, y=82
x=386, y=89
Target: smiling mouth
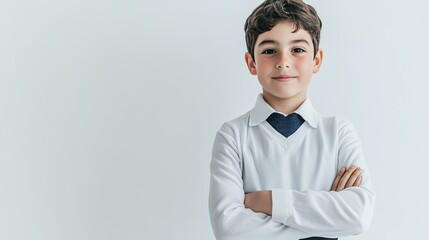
x=284, y=78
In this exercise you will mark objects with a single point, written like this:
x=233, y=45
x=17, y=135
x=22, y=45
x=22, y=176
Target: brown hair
x=271, y=12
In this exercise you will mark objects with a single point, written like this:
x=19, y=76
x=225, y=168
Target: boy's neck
x=284, y=105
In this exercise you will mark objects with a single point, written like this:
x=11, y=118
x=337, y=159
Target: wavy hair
x=271, y=12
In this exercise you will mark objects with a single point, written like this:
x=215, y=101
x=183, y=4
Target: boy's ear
x=250, y=63
x=317, y=61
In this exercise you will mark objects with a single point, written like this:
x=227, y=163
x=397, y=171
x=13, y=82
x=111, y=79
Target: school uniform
x=250, y=155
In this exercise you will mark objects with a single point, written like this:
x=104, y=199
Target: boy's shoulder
x=339, y=126
x=333, y=119
x=236, y=124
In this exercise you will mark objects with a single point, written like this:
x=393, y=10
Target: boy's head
x=282, y=38
x=271, y=12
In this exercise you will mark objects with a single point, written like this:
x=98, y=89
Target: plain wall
x=108, y=111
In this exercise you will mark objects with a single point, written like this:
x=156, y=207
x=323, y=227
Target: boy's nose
x=280, y=66
x=283, y=62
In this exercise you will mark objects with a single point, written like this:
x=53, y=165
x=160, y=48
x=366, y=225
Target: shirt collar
x=262, y=110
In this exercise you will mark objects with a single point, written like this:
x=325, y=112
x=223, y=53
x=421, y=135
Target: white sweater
x=249, y=155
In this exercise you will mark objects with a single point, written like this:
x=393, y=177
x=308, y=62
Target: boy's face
x=284, y=62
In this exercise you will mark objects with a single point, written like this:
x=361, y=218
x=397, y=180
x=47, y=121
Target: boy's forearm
x=261, y=201
x=323, y=213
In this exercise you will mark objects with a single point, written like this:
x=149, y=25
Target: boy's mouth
x=284, y=78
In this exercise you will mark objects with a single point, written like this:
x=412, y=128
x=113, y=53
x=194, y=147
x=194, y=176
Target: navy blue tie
x=285, y=125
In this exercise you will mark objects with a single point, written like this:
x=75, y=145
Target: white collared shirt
x=249, y=155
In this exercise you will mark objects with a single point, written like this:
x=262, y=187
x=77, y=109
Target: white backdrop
x=108, y=111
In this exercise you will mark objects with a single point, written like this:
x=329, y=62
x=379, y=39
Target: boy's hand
x=260, y=201
x=350, y=178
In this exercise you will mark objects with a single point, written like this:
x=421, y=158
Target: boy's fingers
x=337, y=179
x=353, y=178
x=358, y=181
x=345, y=178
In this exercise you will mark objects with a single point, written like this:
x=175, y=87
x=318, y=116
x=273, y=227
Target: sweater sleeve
x=330, y=214
x=229, y=218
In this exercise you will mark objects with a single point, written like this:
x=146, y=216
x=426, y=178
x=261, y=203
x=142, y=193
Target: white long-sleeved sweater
x=249, y=155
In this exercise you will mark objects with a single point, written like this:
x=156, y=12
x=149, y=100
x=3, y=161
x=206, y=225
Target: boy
x=282, y=170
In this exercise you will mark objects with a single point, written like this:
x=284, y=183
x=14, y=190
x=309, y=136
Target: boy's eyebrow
x=269, y=41
x=301, y=40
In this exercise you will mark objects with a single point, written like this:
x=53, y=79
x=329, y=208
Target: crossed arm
x=261, y=201
x=287, y=213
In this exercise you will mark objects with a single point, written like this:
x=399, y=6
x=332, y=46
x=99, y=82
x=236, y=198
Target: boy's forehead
x=284, y=33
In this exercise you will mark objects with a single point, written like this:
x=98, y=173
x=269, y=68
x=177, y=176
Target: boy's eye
x=269, y=51
x=298, y=50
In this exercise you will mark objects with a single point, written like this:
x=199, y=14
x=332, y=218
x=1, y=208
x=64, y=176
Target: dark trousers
x=319, y=238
